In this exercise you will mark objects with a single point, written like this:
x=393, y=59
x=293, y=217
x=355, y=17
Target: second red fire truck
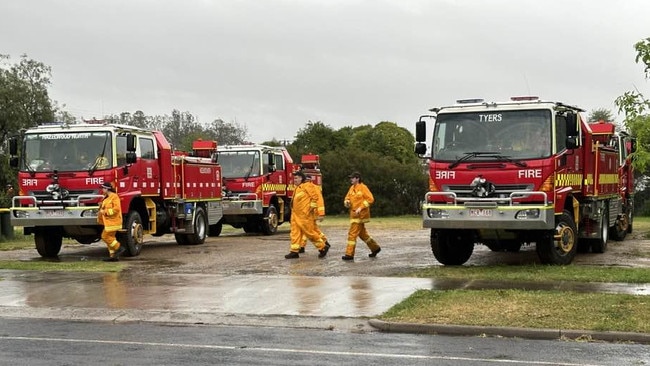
x=258, y=185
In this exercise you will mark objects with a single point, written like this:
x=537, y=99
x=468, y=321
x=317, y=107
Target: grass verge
x=526, y=309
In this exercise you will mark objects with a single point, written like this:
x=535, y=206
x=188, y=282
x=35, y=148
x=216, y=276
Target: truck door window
x=560, y=132
x=121, y=150
x=146, y=149
x=279, y=162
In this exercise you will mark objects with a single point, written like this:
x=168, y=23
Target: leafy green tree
x=24, y=101
x=637, y=120
x=600, y=114
x=228, y=133
x=318, y=138
x=386, y=138
x=636, y=108
x=397, y=187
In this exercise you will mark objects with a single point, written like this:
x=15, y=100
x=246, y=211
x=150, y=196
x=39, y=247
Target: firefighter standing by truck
x=358, y=200
x=303, y=204
x=110, y=216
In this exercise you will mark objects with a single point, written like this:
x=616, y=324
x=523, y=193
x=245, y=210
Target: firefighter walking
x=110, y=216
x=303, y=205
x=358, y=200
x=318, y=214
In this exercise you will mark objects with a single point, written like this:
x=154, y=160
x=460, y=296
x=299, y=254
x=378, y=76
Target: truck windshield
x=240, y=164
x=67, y=151
x=517, y=134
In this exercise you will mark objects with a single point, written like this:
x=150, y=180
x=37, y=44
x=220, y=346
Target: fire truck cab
x=520, y=172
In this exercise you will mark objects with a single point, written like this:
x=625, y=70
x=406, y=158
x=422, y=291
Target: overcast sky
x=274, y=65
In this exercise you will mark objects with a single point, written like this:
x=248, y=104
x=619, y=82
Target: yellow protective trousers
x=111, y=241
x=305, y=227
x=358, y=230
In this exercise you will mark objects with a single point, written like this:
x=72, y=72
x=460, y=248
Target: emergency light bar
x=523, y=98
x=468, y=101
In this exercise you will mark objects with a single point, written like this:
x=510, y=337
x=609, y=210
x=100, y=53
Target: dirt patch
x=402, y=251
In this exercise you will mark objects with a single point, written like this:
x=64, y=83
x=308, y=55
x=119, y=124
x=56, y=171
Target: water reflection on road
x=243, y=294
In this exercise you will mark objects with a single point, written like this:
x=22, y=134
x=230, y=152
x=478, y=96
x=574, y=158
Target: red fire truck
x=61, y=168
x=258, y=185
x=521, y=172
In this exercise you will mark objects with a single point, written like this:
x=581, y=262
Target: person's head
x=106, y=186
x=355, y=177
x=299, y=177
x=10, y=187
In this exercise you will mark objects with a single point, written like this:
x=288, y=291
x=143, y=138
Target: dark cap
x=107, y=185
x=355, y=175
x=300, y=174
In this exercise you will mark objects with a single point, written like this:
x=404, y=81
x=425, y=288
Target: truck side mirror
x=420, y=148
x=420, y=131
x=633, y=146
x=13, y=146
x=571, y=142
x=131, y=157
x=271, y=163
x=130, y=143
x=13, y=162
x=572, y=124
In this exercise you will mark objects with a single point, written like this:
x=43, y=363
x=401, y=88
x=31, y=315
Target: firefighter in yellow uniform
x=319, y=213
x=110, y=216
x=358, y=200
x=303, y=205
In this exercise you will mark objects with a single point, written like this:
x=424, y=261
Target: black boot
x=322, y=253
x=302, y=250
x=347, y=258
x=374, y=253
x=292, y=255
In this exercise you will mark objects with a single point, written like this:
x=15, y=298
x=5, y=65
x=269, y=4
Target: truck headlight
x=436, y=213
x=531, y=213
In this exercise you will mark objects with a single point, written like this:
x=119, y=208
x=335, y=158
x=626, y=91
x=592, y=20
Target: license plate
x=57, y=213
x=480, y=212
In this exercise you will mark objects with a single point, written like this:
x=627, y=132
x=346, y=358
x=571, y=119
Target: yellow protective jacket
x=359, y=196
x=110, y=212
x=320, y=202
x=305, y=201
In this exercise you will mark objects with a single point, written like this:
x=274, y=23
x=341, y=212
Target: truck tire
x=48, y=242
x=452, y=247
x=560, y=246
x=622, y=226
x=133, y=238
x=199, y=227
x=599, y=245
x=215, y=230
x=270, y=221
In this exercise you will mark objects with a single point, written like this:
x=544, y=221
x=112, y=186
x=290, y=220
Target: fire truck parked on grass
x=522, y=172
x=258, y=186
x=61, y=168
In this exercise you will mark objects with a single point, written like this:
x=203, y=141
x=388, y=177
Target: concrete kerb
x=511, y=332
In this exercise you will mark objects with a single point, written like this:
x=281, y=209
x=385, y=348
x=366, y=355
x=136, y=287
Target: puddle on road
x=244, y=294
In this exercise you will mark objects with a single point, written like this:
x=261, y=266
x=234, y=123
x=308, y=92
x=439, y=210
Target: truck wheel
x=215, y=230
x=559, y=247
x=599, y=245
x=134, y=236
x=48, y=242
x=200, y=227
x=452, y=247
x=182, y=239
x=251, y=227
x=622, y=226
x=270, y=221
